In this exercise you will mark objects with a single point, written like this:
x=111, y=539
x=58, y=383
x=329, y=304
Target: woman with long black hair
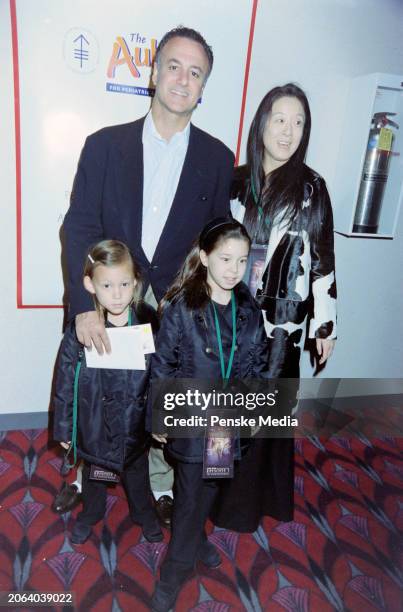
x=286, y=209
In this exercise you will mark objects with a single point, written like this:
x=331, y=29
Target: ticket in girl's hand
x=126, y=350
x=128, y=347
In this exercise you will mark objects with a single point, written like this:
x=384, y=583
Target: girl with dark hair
x=285, y=206
x=211, y=328
x=101, y=412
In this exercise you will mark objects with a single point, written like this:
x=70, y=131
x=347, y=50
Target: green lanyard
x=260, y=211
x=73, y=443
x=226, y=374
x=257, y=200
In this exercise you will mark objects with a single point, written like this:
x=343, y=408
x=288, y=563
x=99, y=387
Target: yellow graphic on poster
x=134, y=55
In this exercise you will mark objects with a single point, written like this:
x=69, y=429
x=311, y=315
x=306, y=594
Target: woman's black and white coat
x=299, y=275
x=297, y=272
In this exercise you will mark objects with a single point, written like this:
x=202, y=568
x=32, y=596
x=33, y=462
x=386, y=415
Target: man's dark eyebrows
x=173, y=59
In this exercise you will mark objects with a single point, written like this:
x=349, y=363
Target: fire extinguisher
x=374, y=174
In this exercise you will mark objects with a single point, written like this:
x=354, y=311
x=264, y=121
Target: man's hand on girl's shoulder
x=90, y=329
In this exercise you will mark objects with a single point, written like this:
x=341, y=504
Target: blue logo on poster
x=130, y=89
x=81, y=50
x=80, y=53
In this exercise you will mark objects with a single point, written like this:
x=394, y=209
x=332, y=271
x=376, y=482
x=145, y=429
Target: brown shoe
x=163, y=508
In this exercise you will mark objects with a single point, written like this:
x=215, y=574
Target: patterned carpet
x=343, y=551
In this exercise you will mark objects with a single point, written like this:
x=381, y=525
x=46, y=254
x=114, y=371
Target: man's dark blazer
x=107, y=203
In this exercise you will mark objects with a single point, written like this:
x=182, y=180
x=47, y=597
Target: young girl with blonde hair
x=101, y=411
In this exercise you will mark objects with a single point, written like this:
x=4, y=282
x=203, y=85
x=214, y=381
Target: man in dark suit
x=153, y=183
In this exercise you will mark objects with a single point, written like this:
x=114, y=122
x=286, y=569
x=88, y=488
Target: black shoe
x=150, y=527
x=80, y=533
x=163, y=507
x=209, y=555
x=151, y=530
x=67, y=499
x=164, y=596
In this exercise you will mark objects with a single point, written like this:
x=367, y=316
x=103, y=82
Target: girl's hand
x=325, y=347
x=162, y=438
x=65, y=445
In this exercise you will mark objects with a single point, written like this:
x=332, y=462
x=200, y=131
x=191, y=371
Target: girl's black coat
x=187, y=348
x=111, y=403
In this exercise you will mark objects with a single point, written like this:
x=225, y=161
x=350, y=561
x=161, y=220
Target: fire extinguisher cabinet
x=368, y=189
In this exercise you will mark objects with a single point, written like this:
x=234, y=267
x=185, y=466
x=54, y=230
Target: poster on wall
x=79, y=66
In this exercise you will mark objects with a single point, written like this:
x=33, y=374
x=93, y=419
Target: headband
x=215, y=224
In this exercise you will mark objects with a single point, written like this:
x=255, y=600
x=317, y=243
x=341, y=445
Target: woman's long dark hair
x=191, y=281
x=281, y=193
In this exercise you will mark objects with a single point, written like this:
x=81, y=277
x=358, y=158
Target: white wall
x=29, y=338
x=320, y=44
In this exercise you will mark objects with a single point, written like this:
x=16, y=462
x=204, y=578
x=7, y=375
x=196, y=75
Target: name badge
x=255, y=267
x=99, y=473
x=218, y=452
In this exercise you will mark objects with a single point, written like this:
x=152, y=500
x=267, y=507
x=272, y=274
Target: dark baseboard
x=24, y=420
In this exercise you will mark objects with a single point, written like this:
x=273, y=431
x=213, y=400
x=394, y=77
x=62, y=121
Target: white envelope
x=128, y=347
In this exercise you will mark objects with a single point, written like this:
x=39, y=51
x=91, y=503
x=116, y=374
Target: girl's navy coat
x=187, y=348
x=111, y=403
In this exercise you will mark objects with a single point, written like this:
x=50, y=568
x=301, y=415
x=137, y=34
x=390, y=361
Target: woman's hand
x=65, y=445
x=162, y=438
x=325, y=347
